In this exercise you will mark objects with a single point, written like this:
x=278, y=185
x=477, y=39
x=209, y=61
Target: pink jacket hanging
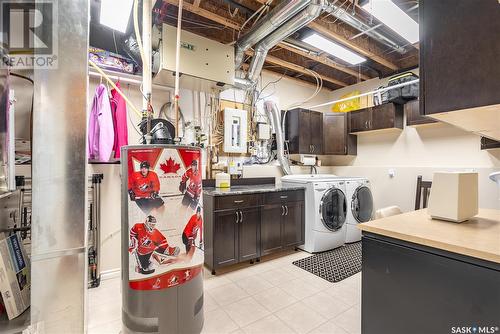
x=119, y=109
x=101, y=135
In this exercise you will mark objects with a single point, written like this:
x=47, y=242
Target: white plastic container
x=454, y=196
x=222, y=180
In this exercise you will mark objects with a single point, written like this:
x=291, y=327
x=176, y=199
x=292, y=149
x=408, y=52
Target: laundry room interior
x=251, y=166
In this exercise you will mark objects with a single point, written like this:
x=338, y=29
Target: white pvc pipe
x=147, y=79
x=365, y=94
x=177, y=62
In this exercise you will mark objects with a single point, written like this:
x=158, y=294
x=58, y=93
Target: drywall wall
x=287, y=91
x=414, y=151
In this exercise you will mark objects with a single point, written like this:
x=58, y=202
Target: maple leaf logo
x=170, y=166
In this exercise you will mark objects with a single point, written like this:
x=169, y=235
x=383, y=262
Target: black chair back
x=423, y=192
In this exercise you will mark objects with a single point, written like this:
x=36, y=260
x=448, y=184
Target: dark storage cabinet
x=282, y=221
x=236, y=231
x=336, y=137
x=488, y=144
x=384, y=116
x=226, y=237
x=459, y=54
x=413, y=289
x=241, y=228
x=413, y=115
x=304, y=131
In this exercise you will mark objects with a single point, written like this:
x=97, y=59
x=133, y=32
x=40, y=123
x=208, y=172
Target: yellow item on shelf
x=349, y=105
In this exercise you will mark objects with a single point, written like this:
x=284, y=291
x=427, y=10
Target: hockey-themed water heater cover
x=165, y=217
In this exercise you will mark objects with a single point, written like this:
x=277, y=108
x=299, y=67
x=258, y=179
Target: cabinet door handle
x=239, y=202
x=241, y=217
x=314, y=148
x=283, y=197
x=282, y=210
x=237, y=217
x=286, y=208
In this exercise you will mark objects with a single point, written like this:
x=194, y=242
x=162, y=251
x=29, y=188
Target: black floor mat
x=334, y=265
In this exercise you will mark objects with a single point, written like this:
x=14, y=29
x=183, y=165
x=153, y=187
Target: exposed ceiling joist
x=299, y=81
x=197, y=3
x=206, y=13
x=297, y=68
x=325, y=61
x=325, y=31
x=322, y=28
x=235, y=25
x=301, y=69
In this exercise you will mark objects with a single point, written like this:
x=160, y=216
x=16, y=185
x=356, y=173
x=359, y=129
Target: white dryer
x=360, y=204
x=325, y=210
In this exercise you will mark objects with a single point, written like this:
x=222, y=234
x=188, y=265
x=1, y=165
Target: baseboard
x=110, y=274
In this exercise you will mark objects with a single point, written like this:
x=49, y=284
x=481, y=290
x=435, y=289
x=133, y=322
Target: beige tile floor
x=272, y=296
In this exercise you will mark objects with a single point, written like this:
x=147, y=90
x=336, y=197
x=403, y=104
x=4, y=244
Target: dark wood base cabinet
x=245, y=227
x=412, y=289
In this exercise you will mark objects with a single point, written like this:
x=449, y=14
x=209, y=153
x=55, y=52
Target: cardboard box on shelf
x=14, y=275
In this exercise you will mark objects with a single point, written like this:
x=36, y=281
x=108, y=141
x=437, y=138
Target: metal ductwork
x=274, y=115
x=365, y=29
x=313, y=10
x=274, y=19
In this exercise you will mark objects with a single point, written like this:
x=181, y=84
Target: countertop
x=249, y=189
x=479, y=237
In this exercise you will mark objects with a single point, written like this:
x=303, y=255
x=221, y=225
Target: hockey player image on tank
x=148, y=244
x=144, y=189
x=193, y=228
x=190, y=185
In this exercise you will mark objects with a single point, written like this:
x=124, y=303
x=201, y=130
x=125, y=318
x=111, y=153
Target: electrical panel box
x=204, y=64
x=235, y=130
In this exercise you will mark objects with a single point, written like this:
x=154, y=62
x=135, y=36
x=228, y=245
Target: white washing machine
x=360, y=206
x=325, y=210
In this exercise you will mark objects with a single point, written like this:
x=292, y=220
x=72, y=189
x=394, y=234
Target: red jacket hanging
x=119, y=110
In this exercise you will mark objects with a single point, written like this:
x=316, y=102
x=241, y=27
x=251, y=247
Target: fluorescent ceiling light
x=392, y=16
x=334, y=49
x=116, y=14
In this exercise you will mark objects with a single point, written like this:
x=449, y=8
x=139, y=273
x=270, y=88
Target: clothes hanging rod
x=136, y=81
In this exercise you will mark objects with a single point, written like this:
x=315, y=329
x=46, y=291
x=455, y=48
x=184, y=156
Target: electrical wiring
x=250, y=18
x=232, y=14
x=267, y=85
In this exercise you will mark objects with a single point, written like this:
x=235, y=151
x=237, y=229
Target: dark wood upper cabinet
x=413, y=116
x=488, y=144
x=304, y=131
x=336, y=137
x=384, y=116
x=459, y=55
x=359, y=120
x=459, y=71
